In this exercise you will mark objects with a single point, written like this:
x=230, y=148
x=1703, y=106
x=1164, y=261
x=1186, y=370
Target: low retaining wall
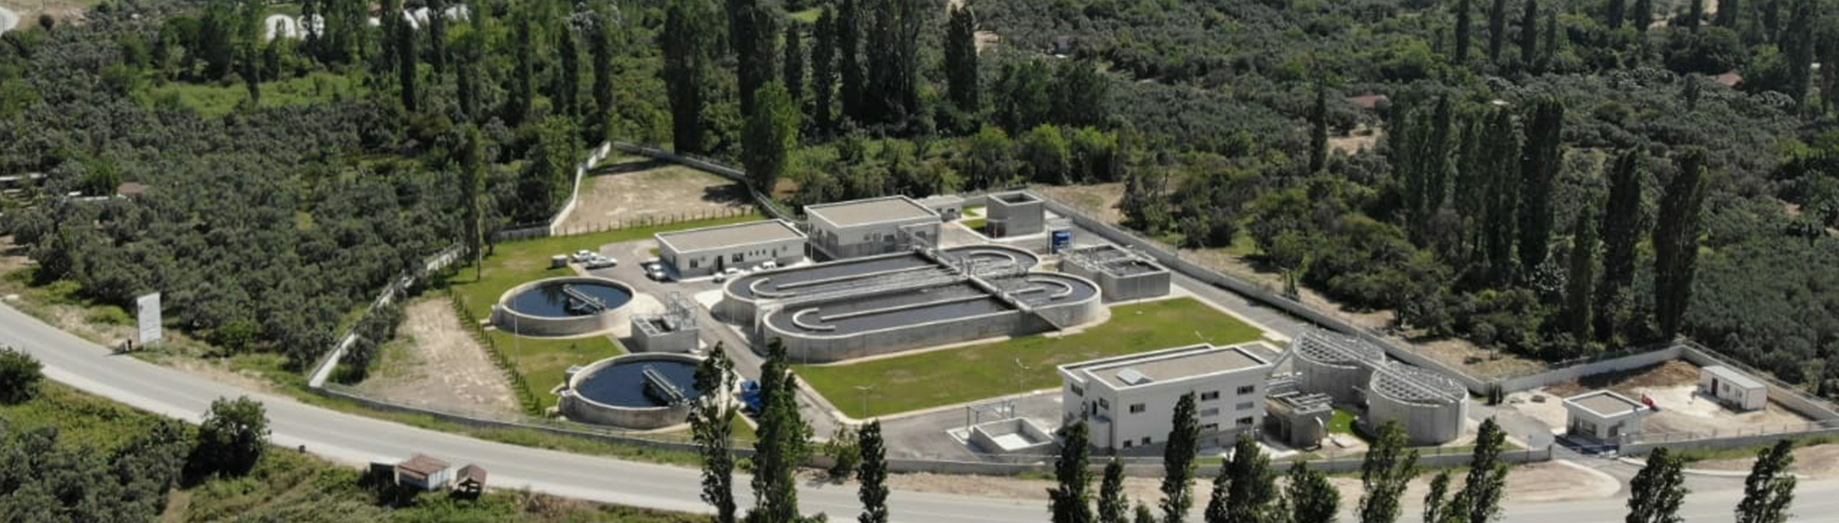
x=804, y=348
x=1630, y=362
x=1725, y=442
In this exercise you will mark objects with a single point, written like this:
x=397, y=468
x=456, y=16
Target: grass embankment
x=218, y=99
x=289, y=486
x=946, y=377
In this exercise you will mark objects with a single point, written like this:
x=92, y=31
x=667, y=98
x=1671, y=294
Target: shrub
x=20, y=374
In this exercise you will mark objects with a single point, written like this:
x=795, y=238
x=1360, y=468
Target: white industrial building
x=700, y=252
x=1734, y=389
x=1603, y=416
x=1129, y=401
x=869, y=227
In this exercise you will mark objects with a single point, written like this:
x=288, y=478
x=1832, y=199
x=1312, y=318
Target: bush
x=231, y=439
x=20, y=374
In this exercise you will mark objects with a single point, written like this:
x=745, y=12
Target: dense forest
x=1551, y=178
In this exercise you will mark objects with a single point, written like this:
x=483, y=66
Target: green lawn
x=543, y=361
x=219, y=99
x=975, y=224
x=1342, y=423
x=946, y=377
x=513, y=263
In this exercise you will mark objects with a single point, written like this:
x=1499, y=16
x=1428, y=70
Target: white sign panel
x=149, y=310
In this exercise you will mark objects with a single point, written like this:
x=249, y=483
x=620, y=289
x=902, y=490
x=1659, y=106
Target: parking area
x=1672, y=386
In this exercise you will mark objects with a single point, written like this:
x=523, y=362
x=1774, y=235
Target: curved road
x=356, y=440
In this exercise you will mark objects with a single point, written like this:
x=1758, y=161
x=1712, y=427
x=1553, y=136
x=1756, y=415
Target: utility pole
x=864, y=391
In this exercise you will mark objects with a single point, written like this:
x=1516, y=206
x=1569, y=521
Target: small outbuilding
x=1015, y=214
x=424, y=472
x=471, y=481
x=949, y=207
x=705, y=251
x=1603, y=416
x=1732, y=388
x=858, y=228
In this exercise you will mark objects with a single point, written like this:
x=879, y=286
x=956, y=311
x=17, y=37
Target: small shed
x=471, y=480
x=1732, y=388
x=424, y=472
x=1604, y=416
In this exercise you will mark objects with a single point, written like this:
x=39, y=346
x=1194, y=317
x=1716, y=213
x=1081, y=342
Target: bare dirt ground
x=632, y=189
x=64, y=11
x=1100, y=201
x=1538, y=482
x=1674, y=388
x=1816, y=462
x=439, y=365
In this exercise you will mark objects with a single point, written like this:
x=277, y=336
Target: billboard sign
x=148, y=308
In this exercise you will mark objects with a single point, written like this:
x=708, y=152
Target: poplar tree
x=1499, y=160
x=1539, y=176
x=1695, y=11
x=1615, y=13
x=1643, y=15
x=961, y=60
x=523, y=81
x=1070, y=502
x=472, y=200
x=1246, y=489
x=872, y=474
x=711, y=421
x=753, y=34
x=1798, y=43
x=784, y=442
x=568, y=83
x=1657, y=492
x=1529, y=35
x=1769, y=489
x=1318, y=133
x=1481, y=494
x=1387, y=470
x=1728, y=12
x=1497, y=30
x=1178, y=461
x=793, y=68
x=601, y=48
x=824, y=73
x=1312, y=498
x=687, y=45
x=1460, y=55
x=1581, y=276
x=1144, y=514
x=848, y=58
x=1675, y=240
x=769, y=137
x=1436, y=498
x=1621, y=232
x=1112, y=507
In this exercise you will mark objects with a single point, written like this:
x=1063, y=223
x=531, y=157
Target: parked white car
x=582, y=256
x=601, y=262
x=720, y=277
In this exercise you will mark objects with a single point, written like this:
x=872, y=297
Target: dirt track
x=438, y=364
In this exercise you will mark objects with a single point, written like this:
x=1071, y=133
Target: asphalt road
x=356, y=440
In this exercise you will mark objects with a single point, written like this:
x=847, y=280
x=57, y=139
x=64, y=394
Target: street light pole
x=865, y=390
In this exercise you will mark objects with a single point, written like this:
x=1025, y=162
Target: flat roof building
x=869, y=227
x=699, y=252
x=1603, y=416
x=1014, y=214
x=1129, y=401
x=1734, y=389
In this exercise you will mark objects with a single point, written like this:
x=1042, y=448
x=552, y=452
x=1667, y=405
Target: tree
x=1178, y=461
x=892, y=53
x=1695, y=11
x=1657, y=492
x=1112, y=506
x=1246, y=489
x=1539, y=177
x=1499, y=164
x=1386, y=471
x=1312, y=498
x=784, y=441
x=600, y=49
x=1643, y=15
x=824, y=73
x=1318, y=132
x=1497, y=30
x=472, y=199
x=711, y=421
x=250, y=55
x=1728, y=13
x=1435, y=499
x=849, y=60
x=872, y=474
x=1079, y=94
x=1797, y=45
x=1481, y=493
x=753, y=35
x=1769, y=489
x=523, y=81
x=794, y=70
x=1676, y=233
x=1621, y=233
x=403, y=37
x=961, y=59
x=231, y=439
x=1459, y=56
x=1582, y=276
x=437, y=37
x=1529, y=35
x=548, y=168
x=20, y=375
x=1144, y=514
x=688, y=44
x=1069, y=502
x=1615, y=13
x=770, y=136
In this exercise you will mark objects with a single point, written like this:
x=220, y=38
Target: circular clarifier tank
x=638, y=391
x=569, y=306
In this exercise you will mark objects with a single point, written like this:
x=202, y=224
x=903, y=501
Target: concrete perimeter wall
x=829, y=349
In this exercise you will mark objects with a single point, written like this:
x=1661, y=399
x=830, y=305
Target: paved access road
x=355, y=440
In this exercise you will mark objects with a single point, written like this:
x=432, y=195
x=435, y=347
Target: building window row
x=1210, y=395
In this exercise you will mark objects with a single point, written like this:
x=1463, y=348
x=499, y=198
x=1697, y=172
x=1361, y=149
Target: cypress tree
x=1178, y=461
x=1500, y=162
x=472, y=201
x=1798, y=44
x=251, y=56
x=523, y=86
x=1695, y=11
x=961, y=60
x=687, y=53
x=892, y=53
x=601, y=48
x=1385, y=473
x=711, y=420
x=568, y=83
x=1582, y=275
x=1312, y=498
x=1769, y=489
x=753, y=35
x=784, y=442
x=466, y=73
x=1460, y=55
x=1676, y=233
x=1069, y=502
x=437, y=36
x=824, y=73
x=1436, y=498
x=1621, y=231
x=770, y=135
x=872, y=474
x=1550, y=45
x=849, y=59
x=1112, y=507
x=1318, y=135
x=405, y=60
x=1539, y=174
x=1497, y=30
x=1615, y=13
x=1657, y=492
x=1643, y=15
x=1487, y=480
x=794, y=65
x=1728, y=13
x=1529, y=35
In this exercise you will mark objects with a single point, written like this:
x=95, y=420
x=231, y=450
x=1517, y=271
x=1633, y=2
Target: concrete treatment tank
x=567, y=306
x=635, y=391
x=1335, y=364
x=1431, y=407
